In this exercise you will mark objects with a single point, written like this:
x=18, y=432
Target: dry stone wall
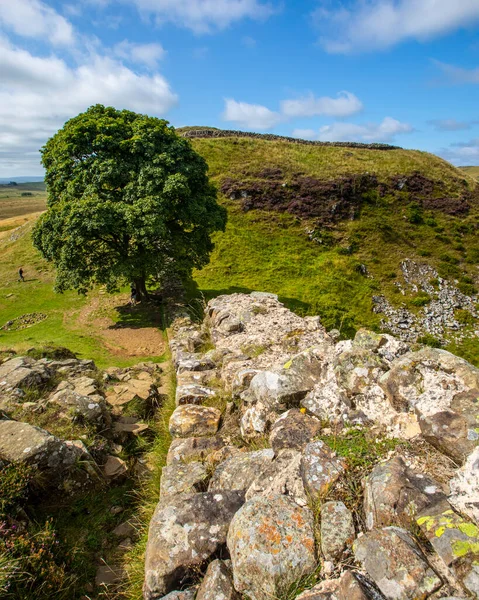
x=255, y=503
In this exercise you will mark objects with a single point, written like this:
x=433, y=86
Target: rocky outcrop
x=303, y=503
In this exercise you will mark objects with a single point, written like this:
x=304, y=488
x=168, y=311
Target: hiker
x=20, y=274
x=133, y=294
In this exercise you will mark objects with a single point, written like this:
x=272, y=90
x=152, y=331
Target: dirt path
x=137, y=334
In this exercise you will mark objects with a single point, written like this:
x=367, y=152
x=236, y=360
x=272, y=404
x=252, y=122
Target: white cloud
x=34, y=19
x=345, y=105
x=252, y=116
x=204, y=16
x=141, y=54
x=305, y=134
x=379, y=24
x=462, y=153
x=451, y=124
x=37, y=95
x=351, y=132
x=458, y=74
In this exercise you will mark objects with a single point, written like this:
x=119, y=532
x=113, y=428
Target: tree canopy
x=128, y=199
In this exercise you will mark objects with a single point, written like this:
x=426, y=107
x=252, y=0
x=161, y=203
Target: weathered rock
x=188, y=594
x=77, y=407
x=134, y=388
x=193, y=448
x=193, y=394
x=337, y=529
x=444, y=392
x=388, y=347
x=328, y=400
x=242, y=380
x=455, y=540
x=256, y=420
x=465, y=488
x=394, y=494
x=293, y=429
x=282, y=476
x=183, y=535
x=350, y=588
x=85, y=386
x=22, y=372
x=193, y=362
x=181, y=478
x=239, y=472
x=271, y=543
x=357, y=369
x=218, y=582
x=124, y=530
x=395, y=563
x=320, y=468
x=326, y=590
x=201, y=378
x=108, y=575
x=126, y=425
x=190, y=419
x=24, y=443
x=114, y=467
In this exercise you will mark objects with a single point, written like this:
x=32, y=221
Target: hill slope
x=330, y=228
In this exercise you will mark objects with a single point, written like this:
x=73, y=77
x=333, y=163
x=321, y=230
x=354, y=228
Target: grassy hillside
x=471, y=171
x=267, y=245
x=21, y=199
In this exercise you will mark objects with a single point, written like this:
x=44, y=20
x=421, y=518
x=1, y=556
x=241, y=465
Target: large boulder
x=24, y=443
x=183, y=535
x=443, y=390
x=394, y=494
x=239, y=472
x=455, y=540
x=189, y=419
x=395, y=563
x=77, y=407
x=218, y=582
x=22, y=372
x=271, y=543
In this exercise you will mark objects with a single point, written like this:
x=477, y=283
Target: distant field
x=21, y=199
x=472, y=171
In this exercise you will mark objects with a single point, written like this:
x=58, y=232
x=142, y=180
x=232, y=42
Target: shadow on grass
x=144, y=314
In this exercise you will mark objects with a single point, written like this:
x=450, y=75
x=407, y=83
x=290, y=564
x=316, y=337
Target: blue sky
x=397, y=71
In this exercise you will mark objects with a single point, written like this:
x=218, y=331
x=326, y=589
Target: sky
x=404, y=72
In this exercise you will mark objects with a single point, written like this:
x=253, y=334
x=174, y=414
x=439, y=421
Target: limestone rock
x=193, y=448
x=193, y=362
x=455, y=540
x=388, y=347
x=22, y=372
x=327, y=400
x=393, y=494
x=350, y=588
x=183, y=535
x=24, y=443
x=143, y=388
x=201, y=378
x=85, y=386
x=395, y=563
x=239, y=472
x=193, y=394
x=357, y=369
x=180, y=478
x=190, y=419
x=337, y=529
x=320, y=468
x=188, y=594
x=271, y=543
x=282, y=476
x=218, y=582
x=293, y=429
x=77, y=407
x=256, y=420
x=326, y=590
x=114, y=467
x=465, y=488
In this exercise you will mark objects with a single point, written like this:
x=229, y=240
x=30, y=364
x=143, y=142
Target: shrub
x=429, y=340
x=415, y=213
x=421, y=300
x=15, y=481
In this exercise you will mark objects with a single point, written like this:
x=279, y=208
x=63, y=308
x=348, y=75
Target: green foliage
x=415, y=214
x=429, y=340
x=15, y=482
x=128, y=199
x=421, y=299
x=465, y=317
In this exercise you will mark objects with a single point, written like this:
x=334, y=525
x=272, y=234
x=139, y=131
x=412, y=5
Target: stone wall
x=256, y=502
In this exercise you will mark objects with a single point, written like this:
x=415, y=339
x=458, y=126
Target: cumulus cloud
x=34, y=19
x=451, y=124
x=458, y=74
x=38, y=94
x=345, y=105
x=351, y=132
x=204, y=16
x=251, y=116
x=462, y=153
x=378, y=24
x=141, y=54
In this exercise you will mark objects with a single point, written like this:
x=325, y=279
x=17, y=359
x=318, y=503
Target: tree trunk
x=141, y=291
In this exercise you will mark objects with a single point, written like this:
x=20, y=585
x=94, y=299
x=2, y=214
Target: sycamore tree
x=128, y=200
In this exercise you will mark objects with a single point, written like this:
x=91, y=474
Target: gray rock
x=193, y=448
x=294, y=430
x=218, y=582
x=320, y=468
x=22, y=372
x=193, y=362
x=326, y=590
x=239, y=472
x=394, y=494
x=357, y=369
x=465, y=488
x=193, y=394
x=24, y=443
x=183, y=535
x=188, y=594
x=181, y=478
x=395, y=563
x=351, y=589
x=77, y=407
x=190, y=419
x=337, y=529
x=455, y=540
x=271, y=544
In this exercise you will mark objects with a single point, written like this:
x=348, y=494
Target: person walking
x=133, y=295
x=20, y=274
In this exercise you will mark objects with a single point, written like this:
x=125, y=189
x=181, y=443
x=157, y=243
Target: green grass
x=471, y=171
x=13, y=203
